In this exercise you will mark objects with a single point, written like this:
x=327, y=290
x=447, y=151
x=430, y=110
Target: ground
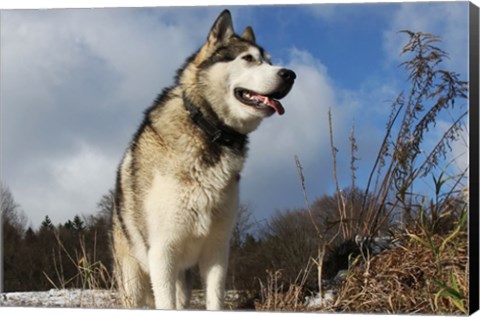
x=97, y=299
x=61, y=298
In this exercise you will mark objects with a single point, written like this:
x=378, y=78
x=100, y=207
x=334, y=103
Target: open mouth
x=261, y=102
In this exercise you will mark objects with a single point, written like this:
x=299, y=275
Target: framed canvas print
x=269, y=157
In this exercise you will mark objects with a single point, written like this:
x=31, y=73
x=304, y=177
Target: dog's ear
x=222, y=29
x=248, y=34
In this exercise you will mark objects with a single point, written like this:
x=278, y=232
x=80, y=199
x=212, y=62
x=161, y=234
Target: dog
x=176, y=194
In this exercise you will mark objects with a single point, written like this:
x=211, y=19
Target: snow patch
x=61, y=298
x=326, y=299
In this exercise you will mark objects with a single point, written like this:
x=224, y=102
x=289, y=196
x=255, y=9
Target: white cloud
x=445, y=19
x=270, y=177
x=458, y=158
x=65, y=186
x=304, y=122
x=326, y=12
x=74, y=84
x=461, y=151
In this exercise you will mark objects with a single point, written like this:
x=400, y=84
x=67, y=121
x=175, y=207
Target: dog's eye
x=248, y=58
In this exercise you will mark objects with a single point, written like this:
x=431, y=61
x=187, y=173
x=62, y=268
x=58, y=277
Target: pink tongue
x=277, y=106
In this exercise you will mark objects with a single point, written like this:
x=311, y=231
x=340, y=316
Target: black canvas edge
x=474, y=225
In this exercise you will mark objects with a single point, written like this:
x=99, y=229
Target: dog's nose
x=287, y=74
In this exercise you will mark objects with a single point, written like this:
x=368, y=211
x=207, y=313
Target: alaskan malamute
x=176, y=194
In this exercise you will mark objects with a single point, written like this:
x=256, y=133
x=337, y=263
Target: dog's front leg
x=163, y=276
x=213, y=268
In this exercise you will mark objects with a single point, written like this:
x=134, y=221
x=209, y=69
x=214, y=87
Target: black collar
x=216, y=132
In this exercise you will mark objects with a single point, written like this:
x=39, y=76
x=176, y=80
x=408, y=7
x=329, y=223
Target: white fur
x=180, y=238
x=260, y=77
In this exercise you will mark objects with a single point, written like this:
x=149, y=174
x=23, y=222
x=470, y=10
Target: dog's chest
x=212, y=194
x=198, y=198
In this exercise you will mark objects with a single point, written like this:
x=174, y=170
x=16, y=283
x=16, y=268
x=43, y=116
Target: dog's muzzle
x=268, y=102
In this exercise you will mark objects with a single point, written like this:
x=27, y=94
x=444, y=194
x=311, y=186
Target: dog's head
x=235, y=76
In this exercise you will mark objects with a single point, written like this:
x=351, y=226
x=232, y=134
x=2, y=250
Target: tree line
x=52, y=256
x=76, y=254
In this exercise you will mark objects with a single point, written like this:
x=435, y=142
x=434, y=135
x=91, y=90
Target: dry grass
x=91, y=273
x=276, y=296
x=411, y=279
x=418, y=277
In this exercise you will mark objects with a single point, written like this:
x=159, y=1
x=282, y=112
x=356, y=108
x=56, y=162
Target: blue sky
x=74, y=84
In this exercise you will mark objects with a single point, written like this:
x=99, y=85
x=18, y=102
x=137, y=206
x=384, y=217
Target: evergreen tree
x=46, y=224
x=69, y=225
x=78, y=224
